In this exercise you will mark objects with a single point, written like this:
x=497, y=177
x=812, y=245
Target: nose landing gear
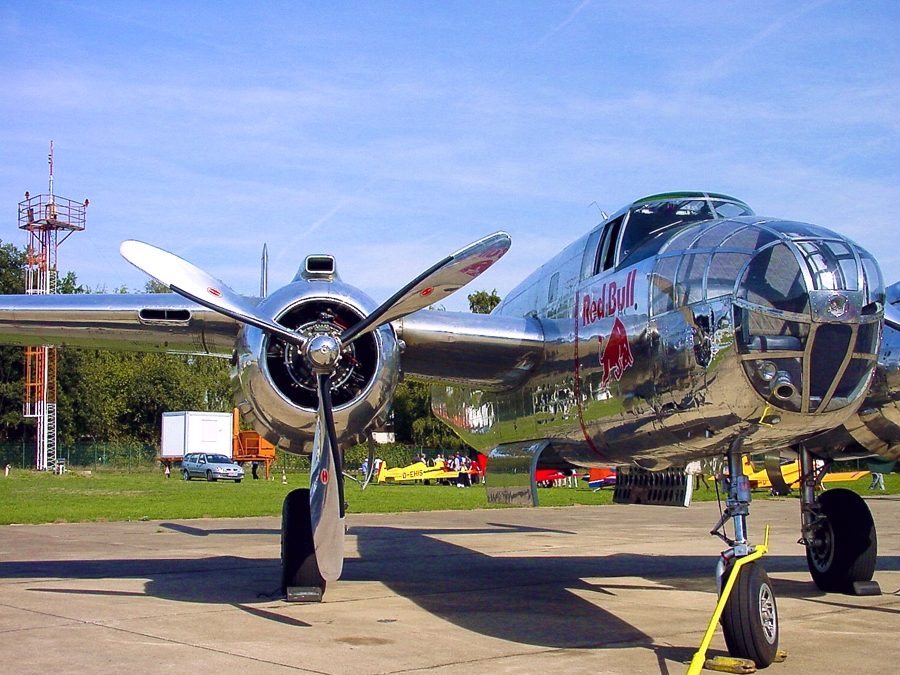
x=746, y=609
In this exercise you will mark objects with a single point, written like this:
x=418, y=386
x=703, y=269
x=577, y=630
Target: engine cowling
x=275, y=389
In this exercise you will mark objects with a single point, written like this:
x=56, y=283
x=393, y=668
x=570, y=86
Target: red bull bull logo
x=615, y=353
x=485, y=260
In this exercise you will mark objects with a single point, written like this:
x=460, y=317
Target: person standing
x=877, y=481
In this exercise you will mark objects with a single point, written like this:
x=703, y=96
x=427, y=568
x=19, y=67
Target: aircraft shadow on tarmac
x=540, y=600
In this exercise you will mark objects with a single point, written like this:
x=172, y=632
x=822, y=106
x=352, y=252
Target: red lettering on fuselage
x=610, y=301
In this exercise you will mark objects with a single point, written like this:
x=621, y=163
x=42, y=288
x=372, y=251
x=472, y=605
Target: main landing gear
x=747, y=609
x=839, y=535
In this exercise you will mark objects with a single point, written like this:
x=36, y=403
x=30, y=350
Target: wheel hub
x=821, y=549
x=768, y=617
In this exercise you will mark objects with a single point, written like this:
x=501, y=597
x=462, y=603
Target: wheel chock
x=730, y=664
x=303, y=594
x=866, y=588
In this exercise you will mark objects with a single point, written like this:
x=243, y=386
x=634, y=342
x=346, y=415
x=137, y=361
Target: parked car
x=210, y=467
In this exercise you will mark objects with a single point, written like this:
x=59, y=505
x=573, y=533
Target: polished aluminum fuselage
x=646, y=362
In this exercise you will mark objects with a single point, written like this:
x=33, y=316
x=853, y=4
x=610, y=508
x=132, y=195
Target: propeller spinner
x=322, y=353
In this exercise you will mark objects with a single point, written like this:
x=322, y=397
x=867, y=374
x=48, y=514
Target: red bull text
x=610, y=301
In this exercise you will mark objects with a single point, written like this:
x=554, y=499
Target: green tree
x=69, y=285
x=12, y=386
x=482, y=302
x=430, y=432
x=154, y=286
x=415, y=423
x=121, y=395
x=12, y=269
x=412, y=401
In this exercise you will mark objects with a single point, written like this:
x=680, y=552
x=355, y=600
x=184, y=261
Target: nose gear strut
x=746, y=607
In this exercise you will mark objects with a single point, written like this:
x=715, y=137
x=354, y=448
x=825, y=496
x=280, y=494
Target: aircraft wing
x=492, y=352
x=479, y=350
x=135, y=322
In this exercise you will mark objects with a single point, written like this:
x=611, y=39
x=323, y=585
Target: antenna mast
x=44, y=217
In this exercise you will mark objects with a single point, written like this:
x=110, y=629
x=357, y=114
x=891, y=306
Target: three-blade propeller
x=322, y=353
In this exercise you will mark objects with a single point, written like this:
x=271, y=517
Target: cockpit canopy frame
x=639, y=230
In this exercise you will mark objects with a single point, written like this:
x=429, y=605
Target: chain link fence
x=95, y=456
x=138, y=457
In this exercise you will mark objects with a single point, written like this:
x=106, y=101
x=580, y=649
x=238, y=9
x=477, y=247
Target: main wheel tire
x=847, y=546
x=298, y=554
x=185, y=474
x=750, y=618
x=210, y=477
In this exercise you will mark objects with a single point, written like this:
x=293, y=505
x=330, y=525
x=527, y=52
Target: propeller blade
x=435, y=283
x=892, y=316
x=892, y=293
x=193, y=283
x=326, y=494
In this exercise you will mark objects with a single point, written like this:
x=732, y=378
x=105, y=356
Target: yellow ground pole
x=700, y=656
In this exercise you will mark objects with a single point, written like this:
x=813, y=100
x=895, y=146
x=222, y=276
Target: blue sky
x=392, y=133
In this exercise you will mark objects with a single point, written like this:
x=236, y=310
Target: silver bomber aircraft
x=682, y=328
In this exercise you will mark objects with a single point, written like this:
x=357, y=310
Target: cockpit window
x=650, y=218
x=731, y=209
x=774, y=279
x=749, y=238
x=690, y=276
x=874, y=282
x=832, y=265
x=600, y=250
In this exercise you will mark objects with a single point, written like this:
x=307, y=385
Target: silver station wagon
x=210, y=467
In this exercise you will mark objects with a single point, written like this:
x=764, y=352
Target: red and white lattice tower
x=44, y=217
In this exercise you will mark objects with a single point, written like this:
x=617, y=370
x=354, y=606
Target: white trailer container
x=189, y=431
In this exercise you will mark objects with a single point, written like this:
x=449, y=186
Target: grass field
x=32, y=497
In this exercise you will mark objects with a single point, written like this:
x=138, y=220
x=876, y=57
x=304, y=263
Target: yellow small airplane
x=418, y=471
x=791, y=472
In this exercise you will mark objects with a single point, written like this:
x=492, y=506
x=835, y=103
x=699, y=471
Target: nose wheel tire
x=750, y=618
x=844, y=546
x=298, y=554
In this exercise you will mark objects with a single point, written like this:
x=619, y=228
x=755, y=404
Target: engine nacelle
x=275, y=389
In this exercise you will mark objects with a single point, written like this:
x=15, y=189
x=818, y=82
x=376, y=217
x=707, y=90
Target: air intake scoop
x=321, y=267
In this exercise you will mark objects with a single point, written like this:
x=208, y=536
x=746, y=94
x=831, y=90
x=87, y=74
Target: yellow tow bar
x=729, y=665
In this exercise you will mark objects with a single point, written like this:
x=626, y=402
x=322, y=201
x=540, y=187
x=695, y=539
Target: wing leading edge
x=161, y=322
